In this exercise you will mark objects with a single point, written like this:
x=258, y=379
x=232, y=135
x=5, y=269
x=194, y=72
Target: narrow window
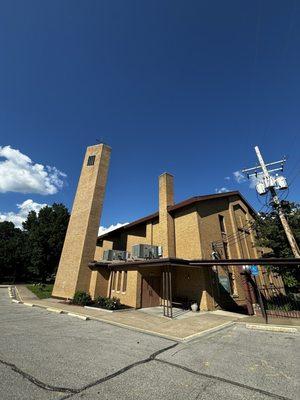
x=119, y=281
x=113, y=280
x=124, y=281
x=226, y=255
x=222, y=223
x=91, y=160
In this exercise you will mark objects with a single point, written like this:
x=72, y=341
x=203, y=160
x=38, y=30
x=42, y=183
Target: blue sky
x=184, y=87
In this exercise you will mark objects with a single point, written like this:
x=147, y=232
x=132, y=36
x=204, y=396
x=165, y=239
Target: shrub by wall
x=82, y=299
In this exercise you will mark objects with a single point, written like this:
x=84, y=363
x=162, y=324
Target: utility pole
x=270, y=184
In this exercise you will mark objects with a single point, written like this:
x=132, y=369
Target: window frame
x=91, y=161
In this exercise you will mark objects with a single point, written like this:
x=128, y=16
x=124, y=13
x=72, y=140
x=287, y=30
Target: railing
x=277, y=302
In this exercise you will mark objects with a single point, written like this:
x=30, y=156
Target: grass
x=41, y=291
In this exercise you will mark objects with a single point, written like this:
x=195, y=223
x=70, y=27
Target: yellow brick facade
x=73, y=273
x=195, y=228
x=191, y=230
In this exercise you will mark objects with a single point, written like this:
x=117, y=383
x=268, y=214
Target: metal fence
x=276, y=299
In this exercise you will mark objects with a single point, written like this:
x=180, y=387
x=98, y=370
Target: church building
x=154, y=259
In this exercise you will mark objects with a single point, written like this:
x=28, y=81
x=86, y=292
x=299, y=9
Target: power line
x=237, y=233
x=270, y=184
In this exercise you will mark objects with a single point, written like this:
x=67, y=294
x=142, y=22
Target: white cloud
x=19, y=174
x=227, y=178
x=221, y=190
x=239, y=177
x=103, y=229
x=254, y=181
x=20, y=216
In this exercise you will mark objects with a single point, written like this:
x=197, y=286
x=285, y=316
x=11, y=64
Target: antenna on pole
x=267, y=183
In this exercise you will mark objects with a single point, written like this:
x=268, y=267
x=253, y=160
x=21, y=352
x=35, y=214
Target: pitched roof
x=185, y=203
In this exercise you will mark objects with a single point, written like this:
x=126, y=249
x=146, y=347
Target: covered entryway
x=151, y=290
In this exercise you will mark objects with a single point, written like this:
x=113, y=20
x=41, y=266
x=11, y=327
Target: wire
x=249, y=225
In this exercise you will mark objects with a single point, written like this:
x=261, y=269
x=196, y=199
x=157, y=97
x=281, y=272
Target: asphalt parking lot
x=44, y=355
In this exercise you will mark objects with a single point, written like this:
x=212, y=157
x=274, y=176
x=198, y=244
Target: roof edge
x=182, y=204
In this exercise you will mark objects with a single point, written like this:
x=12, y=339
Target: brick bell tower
x=73, y=273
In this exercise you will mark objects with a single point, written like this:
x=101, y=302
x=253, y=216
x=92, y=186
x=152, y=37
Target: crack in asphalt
x=220, y=379
x=153, y=356
x=122, y=370
x=36, y=381
x=71, y=392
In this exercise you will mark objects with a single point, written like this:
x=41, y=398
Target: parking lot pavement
x=14, y=386
x=65, y=351
x=262, y=360
x=50, y=356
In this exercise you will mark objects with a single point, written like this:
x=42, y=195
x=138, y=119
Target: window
x=119, y=276
x=113, y=280
x=222, y=223
x=91, y=160
x=124, y=286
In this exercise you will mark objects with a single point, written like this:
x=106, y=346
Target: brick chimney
x=166, y=222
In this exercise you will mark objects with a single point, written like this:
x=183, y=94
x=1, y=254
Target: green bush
x=108, y=304
x=82, y=299
x=100, y=301
x=113, y=304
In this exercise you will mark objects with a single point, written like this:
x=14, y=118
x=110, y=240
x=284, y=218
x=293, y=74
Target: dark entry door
x=151, y=291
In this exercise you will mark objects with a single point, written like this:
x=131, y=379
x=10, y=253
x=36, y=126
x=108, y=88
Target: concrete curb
x=83, y=317
x=132, y=328
x=28, y=304
x=157, y=334
x=108, y=311
x=272, y=328
x=55, y=310
x=12, y=292
x=208, y=331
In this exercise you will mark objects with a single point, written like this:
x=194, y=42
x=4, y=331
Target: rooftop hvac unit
x=115, y=255
x=146, y=251
x=281, y=183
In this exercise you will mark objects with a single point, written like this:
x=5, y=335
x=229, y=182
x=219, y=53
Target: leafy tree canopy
x=270, y=233
x=34, y=252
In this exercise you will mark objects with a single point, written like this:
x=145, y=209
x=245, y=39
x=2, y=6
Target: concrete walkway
x=187, y=327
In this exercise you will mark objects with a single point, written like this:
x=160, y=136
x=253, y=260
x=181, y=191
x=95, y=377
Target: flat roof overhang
x=159, y=262
x=163, y=262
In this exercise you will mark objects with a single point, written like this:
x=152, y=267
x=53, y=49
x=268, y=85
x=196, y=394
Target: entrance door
x=151, y=291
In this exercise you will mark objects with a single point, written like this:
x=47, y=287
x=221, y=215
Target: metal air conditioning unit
x=146, y=251
x=115, y=255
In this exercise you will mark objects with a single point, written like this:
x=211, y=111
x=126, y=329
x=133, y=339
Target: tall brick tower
x=73, y=273
x=166, y=222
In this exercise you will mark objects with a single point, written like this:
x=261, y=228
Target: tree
x=270, y=234
x=12, y=265
x=45, y=233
